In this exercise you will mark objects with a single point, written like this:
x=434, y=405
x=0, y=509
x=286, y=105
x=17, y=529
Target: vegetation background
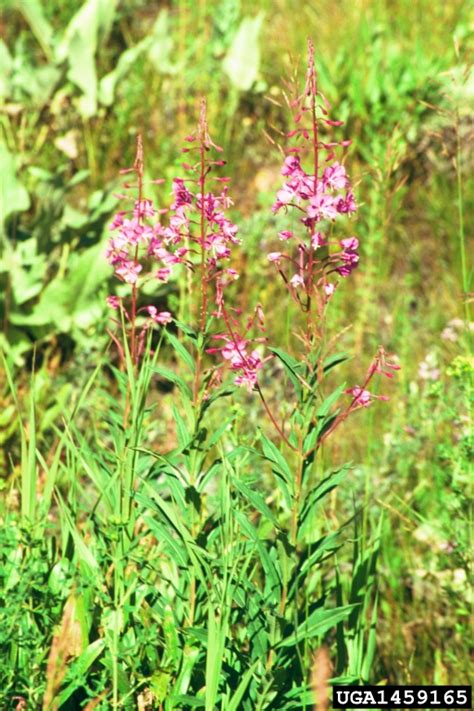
x=78, y=81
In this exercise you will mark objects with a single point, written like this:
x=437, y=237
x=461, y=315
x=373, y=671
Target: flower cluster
x=321, y=199
x=138, y=239
x=200, y=215
x=241, y=352
x=142, y=239
x=321, y=196
x=212, y=242
x=147, y=243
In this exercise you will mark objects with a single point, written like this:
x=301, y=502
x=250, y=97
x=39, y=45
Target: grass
x=185, y=593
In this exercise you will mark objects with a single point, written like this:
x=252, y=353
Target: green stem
x=462, y=237
x=297, y=496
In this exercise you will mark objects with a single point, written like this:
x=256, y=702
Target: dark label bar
x=402, y=697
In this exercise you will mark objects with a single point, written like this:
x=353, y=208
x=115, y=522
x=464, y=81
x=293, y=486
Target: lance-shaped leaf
x=317, y=624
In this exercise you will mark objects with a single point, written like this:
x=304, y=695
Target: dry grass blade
x=67, y=643
x=320, y=676
x=95, y=702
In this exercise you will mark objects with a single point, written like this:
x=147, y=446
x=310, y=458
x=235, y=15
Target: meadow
x=236, y=358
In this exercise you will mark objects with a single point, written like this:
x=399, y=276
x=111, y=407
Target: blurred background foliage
x=79, y=80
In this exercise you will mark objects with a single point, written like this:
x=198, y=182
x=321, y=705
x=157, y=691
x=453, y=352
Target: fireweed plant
x=312, y=263
x=229, y=590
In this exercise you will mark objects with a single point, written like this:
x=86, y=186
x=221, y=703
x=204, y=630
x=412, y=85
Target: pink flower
x=164, y=317
x=182, y=196
x=154, y=245
x=160, y=317
x=322, y=206
x=425, y=372
x=118, y=220
x=143, y=208
x=322, y=196
x=132, y=231
x=232, y=274
x=350, y=243
x=113, y=301
x=296, y=281
x=335, y=177
x=285, y=195
x=318, y=240
x=253, y=363
x=129, y=271
x=348, y=204
x=345, y=270
x=114, y=252
x=349, y=256
x=163, y=274
x=362, y=397
x=381, y=365
x=275, y=257
x=235, y=352
x=228, y=229
x=291, y=166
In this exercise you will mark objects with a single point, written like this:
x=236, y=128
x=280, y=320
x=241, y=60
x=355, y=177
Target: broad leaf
x=242, y=62
x=13, y=195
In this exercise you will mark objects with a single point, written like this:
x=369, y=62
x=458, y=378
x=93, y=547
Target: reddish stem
x=345, y=414
x=257, y=386
x=138, y=168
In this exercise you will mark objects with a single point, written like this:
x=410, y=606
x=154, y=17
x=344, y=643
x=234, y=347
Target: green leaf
x=189, y=659
x=334, y=360
x=371, y=642
x=273, y=455
x=326, y=405
x=280, y=468
x=242, y=62
x=173, y=377
x=184, y=700
x=317, y=624
x=159, y=684
x=215, y=645
x=273, y=577
x=71, y=302
x=79, y=46
x=160, y=52
x=184, y=435
x=162, y=532
x=234, y=703
x=13, y=196
x=33, y=12
x=6, y=66
x=181, y=351
x=27, y=269
x=257, y=500
x=84, y=554
x=298, y=698
x=171, y=638
x=127, y=59
x=324, y=546
x=157, y=504
x=322, y=489
x=293, y=368
x=80, y=667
